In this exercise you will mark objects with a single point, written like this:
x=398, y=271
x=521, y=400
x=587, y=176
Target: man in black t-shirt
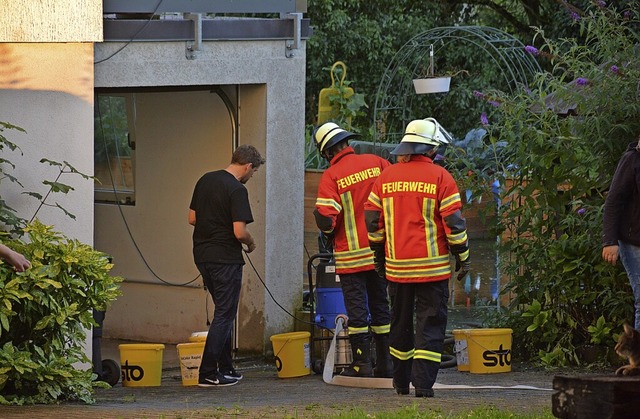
x=220, y=212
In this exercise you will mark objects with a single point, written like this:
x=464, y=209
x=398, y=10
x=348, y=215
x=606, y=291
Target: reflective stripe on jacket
x=411, y=201
x=342, y=192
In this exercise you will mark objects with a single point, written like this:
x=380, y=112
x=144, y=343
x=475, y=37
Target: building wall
x=46, y=88
x=270, y=103
x=47, y=78
x=55, y=107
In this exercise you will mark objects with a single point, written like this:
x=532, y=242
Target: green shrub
x=45, y=313
x=564, y=136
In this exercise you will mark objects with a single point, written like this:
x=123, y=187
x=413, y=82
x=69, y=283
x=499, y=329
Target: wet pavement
x=262, y=393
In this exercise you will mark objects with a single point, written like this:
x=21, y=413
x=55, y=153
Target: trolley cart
x=326, y=306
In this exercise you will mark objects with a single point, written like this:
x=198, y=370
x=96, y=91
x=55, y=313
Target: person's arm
x=374, y=220
x=458, y=242
x=455, y=225
x=192, y=217
x=242, y=234
x=328, y=205
x=619, y=192
x=15, y=259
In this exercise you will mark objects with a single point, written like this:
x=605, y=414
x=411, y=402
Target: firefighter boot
x=384, y=365
x=361, y=349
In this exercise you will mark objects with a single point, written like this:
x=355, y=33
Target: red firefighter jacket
x=411, y=200
x=343, y=190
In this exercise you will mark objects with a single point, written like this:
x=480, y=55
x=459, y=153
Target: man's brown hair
x=247, y=154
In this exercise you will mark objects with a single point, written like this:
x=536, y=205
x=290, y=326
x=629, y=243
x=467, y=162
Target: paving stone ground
x=263, y=394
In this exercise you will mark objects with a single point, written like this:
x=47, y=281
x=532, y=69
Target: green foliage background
x=554, y=167
x=557, y=168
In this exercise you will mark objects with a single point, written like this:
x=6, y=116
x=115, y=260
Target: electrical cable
x=134, y=35
x=271, y=295
x=307, y=251
x=124, y=220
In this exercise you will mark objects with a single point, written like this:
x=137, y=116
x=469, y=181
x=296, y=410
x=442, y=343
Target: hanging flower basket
x=432, y=85
x=429, y=83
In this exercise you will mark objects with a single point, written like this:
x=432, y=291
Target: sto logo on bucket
x=499, y=357
x=131, y=372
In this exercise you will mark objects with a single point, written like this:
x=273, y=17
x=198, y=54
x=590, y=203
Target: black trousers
x=366, y=300
x=223, y=283
x=417, y=351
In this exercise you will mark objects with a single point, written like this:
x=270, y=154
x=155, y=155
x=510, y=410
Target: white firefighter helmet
x=329, y=134
x=422, y=135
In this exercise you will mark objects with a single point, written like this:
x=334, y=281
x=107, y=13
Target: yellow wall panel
x=51, y=21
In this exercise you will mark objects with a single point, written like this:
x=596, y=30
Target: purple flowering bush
x=565, y=133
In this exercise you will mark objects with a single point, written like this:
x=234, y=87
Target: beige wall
x=252, y=123
x=179, y=136
x=47, y=89
x=55, y=107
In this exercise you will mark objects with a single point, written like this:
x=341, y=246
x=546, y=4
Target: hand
x=18, y=261
x=325, y=243
x=379, y=260
x=464, y=266
x=250, y=247
x=379, y=267
x=610, y=254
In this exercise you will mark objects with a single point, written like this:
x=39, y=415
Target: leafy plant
x=562, y=139
x=45, y=312
x=44, y=315
x=8, y=215
x=600, y=332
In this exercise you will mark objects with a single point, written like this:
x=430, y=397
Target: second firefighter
x=339, y=214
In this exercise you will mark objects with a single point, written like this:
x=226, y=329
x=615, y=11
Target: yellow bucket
x=292, y=354
x=190, y=355
x=489, y=350
x=460, y=348
x=141, y=364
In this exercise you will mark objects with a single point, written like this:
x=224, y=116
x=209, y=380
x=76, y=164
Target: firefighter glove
x=380, y=269
x=325, y=242
x=463, y=267
x=379, y=262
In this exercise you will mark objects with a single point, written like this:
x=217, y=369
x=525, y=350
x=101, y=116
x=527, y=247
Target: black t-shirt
x=219, y=199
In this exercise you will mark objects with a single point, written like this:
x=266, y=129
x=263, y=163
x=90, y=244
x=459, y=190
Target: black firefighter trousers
x=416, y=356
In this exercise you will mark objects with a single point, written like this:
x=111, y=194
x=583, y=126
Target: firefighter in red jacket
x=339, y=214
x=414, y=221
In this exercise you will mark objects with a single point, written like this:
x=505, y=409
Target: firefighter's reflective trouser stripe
x=367, y=302
x=417, y=354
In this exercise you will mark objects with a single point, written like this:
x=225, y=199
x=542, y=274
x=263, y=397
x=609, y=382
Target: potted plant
x=431, y=83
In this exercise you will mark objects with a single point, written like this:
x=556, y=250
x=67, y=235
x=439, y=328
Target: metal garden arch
x=395, y=95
